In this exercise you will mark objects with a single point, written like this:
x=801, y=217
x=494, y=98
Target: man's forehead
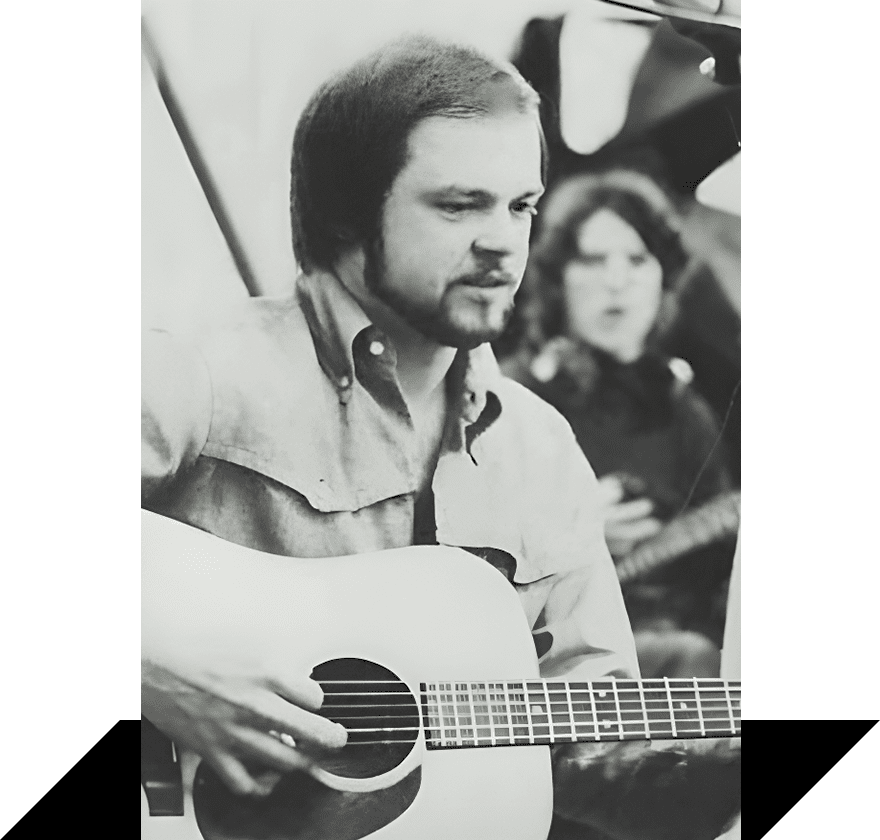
x=475, y=153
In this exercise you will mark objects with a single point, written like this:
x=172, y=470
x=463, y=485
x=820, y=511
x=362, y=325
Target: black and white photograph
x=440, y=421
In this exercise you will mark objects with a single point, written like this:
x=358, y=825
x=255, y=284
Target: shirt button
x=377, y=348
x=344, y=382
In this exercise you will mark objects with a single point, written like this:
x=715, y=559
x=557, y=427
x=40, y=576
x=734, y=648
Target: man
x=367, y=412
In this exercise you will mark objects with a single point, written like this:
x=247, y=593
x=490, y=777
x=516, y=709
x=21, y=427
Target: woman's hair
x=351, y=141
x=633, y=196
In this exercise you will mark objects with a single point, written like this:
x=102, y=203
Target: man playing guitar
x=367, y=412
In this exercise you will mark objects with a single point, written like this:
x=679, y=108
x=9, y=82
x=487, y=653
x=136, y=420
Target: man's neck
x=422, y=364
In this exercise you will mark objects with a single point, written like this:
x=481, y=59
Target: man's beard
x=434, y=322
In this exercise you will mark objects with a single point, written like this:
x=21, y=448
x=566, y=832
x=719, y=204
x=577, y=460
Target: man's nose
x=501, y=233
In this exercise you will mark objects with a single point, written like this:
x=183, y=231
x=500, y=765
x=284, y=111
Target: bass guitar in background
x=714, y=521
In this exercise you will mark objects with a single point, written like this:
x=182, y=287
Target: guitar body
x=424, y=612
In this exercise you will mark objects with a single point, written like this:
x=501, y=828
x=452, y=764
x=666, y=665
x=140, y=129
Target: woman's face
x=613, y=287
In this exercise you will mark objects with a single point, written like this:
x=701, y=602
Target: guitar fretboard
x=488, y=714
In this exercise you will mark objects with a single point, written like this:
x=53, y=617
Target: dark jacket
x=644, y=422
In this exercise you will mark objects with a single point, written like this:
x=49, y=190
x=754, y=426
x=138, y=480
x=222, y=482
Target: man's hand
x=222, y=669
x=225, y=711
x=626, y=523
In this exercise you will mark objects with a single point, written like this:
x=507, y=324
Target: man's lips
x=487, y=281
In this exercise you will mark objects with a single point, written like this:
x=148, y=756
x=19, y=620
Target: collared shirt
x=284, y=429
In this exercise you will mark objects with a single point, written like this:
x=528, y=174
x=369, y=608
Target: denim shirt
x=284, y=429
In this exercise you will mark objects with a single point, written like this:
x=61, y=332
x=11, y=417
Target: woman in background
x=599, y=293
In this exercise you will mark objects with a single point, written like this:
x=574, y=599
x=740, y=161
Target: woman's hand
x=627, y=523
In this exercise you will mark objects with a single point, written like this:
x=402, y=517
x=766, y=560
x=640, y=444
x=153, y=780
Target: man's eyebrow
x=454, y=191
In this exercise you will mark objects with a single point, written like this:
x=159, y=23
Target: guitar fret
x=450, y=723
x=671, y=710
x=644, y=709
x=462, y=716
x=699, y=707
x=498, y=713
x=729, y=708
x=606, y=710
x=549, y=708
x=529, y=713
x=617, y=704
x=570, y=711
x=428, y=711
x=595, y=711
x=521, y=711
x=492, y=734
x=683, y=705
x=473, y=710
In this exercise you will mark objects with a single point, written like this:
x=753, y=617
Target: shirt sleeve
x=586, y=632
x=175, y=409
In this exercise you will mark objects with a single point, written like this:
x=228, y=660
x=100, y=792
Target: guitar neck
x=689, y=531
x=469, y=714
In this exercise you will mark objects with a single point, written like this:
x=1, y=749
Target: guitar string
x=679, y=718
x=555, y=708
x=659, y=686
x=538, y=681
x=678, y=692
x=708, y=457
x=582, y=731
x=581, y=735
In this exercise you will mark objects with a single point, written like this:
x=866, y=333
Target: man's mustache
x=487, y=278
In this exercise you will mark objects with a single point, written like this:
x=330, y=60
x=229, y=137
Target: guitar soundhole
x=378, y=710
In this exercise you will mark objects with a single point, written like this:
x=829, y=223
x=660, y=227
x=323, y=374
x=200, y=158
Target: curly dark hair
x=351, y=141
x=633, y=196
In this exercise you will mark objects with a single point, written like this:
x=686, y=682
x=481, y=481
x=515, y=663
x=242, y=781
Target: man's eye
x=638, y=259
x=525, y=209
x=455, y=209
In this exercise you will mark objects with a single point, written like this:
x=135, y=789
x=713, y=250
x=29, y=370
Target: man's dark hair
x=351, y=140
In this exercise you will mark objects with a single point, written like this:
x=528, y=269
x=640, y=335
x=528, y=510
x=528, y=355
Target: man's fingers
x=303, y=726
x=271, y=753
x=302, y=692
x=234, y=775
x=636, y=509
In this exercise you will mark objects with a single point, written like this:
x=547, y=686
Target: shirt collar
x=335, y=319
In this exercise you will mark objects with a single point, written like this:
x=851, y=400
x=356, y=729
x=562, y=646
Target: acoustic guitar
x=424, y=655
